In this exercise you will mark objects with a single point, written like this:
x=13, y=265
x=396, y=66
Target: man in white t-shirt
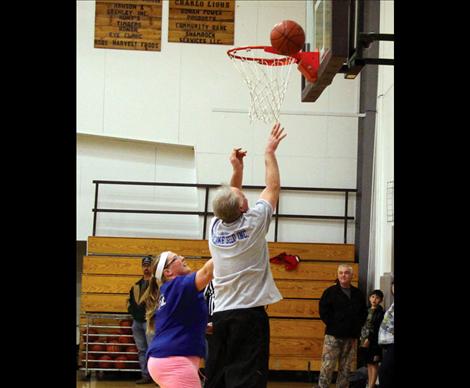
x=243, y=282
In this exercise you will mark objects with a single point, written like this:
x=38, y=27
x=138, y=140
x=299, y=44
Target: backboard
x=330, y=28
x=336, y=29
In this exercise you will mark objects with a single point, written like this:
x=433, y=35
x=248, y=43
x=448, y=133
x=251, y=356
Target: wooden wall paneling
x=108, y=284
x=117, y=303
x=146, y=246
x=294, y=363
x=314, y=251
x=109, y=265
x=132, y=266
x=113, y=265
x=296, y=328
x=308, y=270
x=296, y=347
x=137, y=246
x=104, y=303
x=303, y=289
x=294, y=308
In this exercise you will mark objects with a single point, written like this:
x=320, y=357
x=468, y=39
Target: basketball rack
x=91, y=364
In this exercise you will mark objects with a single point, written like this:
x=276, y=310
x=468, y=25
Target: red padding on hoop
x=309, y=62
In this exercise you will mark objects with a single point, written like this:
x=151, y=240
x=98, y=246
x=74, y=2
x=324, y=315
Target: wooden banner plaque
x=201, y=21
x=128, y=24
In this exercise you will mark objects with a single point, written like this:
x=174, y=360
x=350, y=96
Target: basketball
x=132, y=349
x=119, y=364
x=113, y=348
x=126, y=325
x=96, y=348
x=125, y=340
x=104, y=362
x=287, y=37
x=91, y=338
x=91, y=362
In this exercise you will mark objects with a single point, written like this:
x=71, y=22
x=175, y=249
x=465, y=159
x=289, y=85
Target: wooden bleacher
x=113, y=264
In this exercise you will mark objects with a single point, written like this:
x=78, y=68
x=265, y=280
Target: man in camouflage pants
x=343, y=309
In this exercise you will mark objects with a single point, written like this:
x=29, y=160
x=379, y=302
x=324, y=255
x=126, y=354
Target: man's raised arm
x=272, y=177
x=236, y=159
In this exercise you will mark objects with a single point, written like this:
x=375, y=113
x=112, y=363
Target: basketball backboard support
x=336, y=29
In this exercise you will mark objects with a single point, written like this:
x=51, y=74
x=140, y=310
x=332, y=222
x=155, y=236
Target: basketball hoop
x=267, y=74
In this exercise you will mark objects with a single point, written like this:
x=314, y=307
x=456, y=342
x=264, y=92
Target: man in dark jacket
x=136, y=308
x=343, y=309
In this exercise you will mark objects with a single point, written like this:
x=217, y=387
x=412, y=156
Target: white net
x=267, y=78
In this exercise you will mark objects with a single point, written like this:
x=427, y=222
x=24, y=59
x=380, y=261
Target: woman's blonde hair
x=151, y=297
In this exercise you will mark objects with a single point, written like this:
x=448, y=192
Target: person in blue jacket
x=177, y=313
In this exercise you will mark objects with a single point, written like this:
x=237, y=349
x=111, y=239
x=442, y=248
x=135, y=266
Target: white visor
x=160, y=266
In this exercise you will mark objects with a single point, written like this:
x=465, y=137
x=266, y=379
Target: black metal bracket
x=366, y=38
x=356, y=62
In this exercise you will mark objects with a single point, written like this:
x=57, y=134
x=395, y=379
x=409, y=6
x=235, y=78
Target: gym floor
x=92, y=383
x=128, y=382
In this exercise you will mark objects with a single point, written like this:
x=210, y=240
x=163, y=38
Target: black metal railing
x=205, y=213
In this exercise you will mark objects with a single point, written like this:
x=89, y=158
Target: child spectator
x=369, y=345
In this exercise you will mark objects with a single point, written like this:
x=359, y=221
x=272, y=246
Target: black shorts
x=367, y=355
x=239, y=349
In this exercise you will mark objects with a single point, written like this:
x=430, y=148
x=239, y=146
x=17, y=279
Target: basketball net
x=267, y=76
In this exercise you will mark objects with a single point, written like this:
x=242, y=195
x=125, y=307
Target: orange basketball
x=91, y=358
x=96, y=348
x=91, y=338
x=125, y=340
x=113, y=348
x=287, y=37
x=132, y=349
x=104, y=362
x=119, y=362
x=126, y=325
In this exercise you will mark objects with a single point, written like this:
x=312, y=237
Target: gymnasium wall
x=174, y=115
x=100, y=158
x=382, y=221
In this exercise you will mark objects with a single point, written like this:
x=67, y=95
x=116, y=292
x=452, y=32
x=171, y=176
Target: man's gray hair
x=226, y=204
x=346, y=266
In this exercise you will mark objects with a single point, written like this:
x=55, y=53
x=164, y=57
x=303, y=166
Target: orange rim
x=286, y=60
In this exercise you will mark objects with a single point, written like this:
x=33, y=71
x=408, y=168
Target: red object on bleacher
x=290, y=261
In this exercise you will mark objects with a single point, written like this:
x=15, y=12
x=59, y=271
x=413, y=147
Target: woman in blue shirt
x=177, y=312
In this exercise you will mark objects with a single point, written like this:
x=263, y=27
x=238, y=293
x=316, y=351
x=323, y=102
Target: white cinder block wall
x=381, y=222
x=168, y=116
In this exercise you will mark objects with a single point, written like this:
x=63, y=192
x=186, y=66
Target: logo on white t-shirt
x=225, y=239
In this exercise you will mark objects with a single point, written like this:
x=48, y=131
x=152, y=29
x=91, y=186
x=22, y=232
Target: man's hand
x=236, y=158
x=275, y=138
